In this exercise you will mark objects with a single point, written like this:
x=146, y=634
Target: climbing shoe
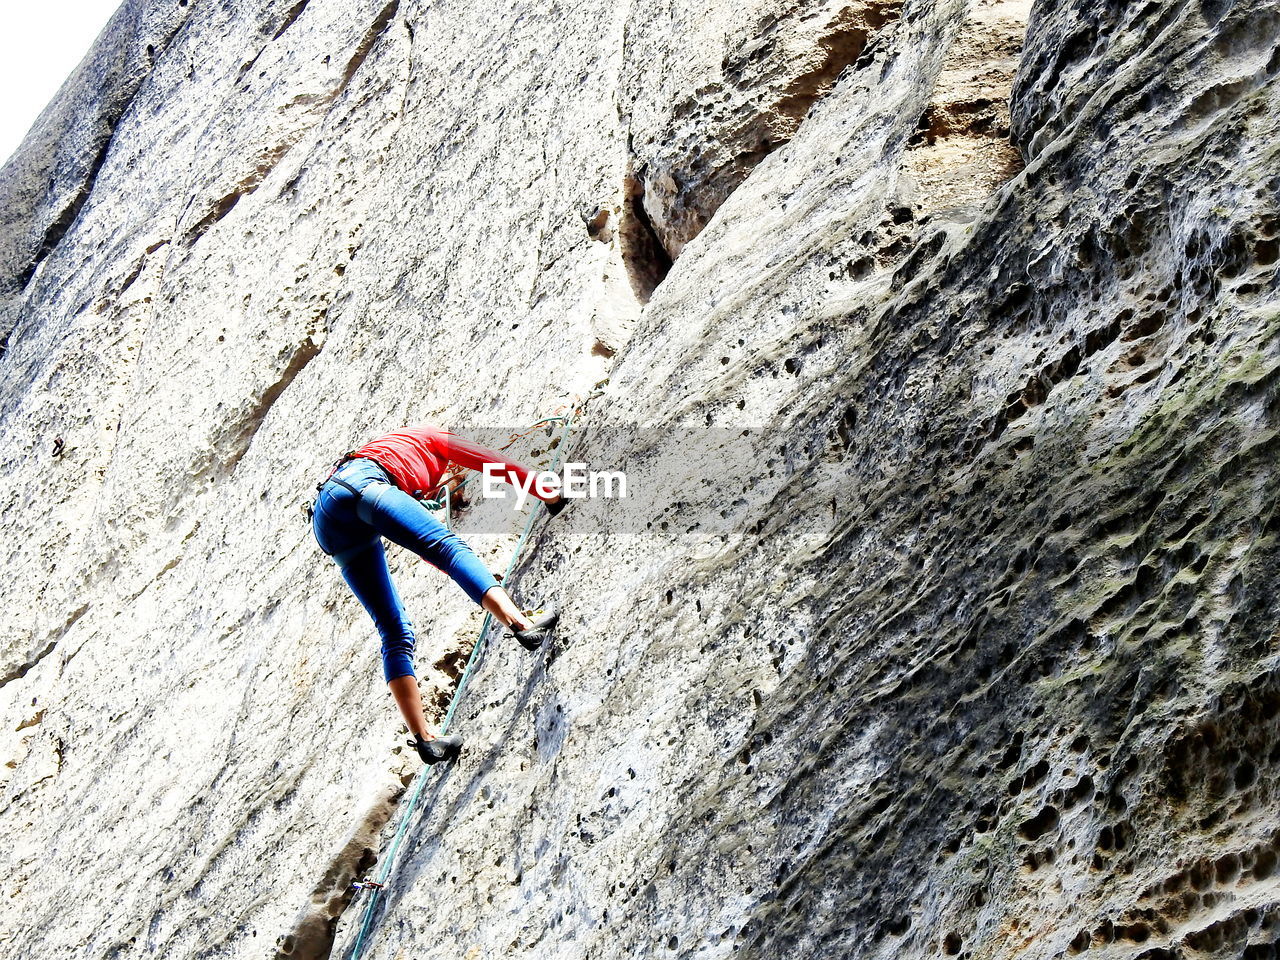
x=553, y=509
x=532, y=638
x=438, y=748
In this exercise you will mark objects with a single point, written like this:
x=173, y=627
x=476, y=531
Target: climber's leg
x=357, y=549
x=532, y=635
x=367, y=575
x=404, y=690
x=498, y=602
x=403, y=520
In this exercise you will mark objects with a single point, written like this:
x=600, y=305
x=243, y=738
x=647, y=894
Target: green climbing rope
x=421, y=778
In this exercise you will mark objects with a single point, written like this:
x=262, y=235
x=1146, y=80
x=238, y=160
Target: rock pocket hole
x=1040, y=824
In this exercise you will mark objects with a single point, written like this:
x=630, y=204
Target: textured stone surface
x=50, y=176
x=964, y=644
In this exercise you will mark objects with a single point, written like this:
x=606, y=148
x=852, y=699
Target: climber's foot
x=437, y=749
x=532, y=637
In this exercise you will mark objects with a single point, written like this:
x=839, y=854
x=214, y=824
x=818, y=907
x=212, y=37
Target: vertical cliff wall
x=940, y=342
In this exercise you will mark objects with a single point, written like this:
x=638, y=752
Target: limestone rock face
x=941, y=345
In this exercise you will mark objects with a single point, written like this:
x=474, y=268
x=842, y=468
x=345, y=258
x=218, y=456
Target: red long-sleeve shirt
x=418, y=457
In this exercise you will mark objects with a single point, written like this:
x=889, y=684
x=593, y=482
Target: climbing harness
x=309, y=506
x=476, y=651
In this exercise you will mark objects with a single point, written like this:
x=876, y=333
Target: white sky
x=40, y=44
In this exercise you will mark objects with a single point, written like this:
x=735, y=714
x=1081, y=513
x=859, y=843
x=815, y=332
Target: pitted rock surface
x=950, y=629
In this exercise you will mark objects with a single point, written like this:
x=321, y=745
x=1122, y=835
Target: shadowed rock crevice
x=841, y=44
x=220, y=209
x=266, y=162
x=235, y=442
x=311, y=937
x=306, y=109
x=696, y=149
x=62, y=223
x=376, y=29
x=290, y=16
x=22, y=669
x=645, y=258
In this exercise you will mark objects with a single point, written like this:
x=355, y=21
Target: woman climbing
x=374, y=493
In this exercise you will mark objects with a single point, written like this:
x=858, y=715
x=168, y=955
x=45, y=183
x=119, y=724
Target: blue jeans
x=350, y=529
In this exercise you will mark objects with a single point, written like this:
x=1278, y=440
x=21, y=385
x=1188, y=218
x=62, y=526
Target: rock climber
x=375, y=492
